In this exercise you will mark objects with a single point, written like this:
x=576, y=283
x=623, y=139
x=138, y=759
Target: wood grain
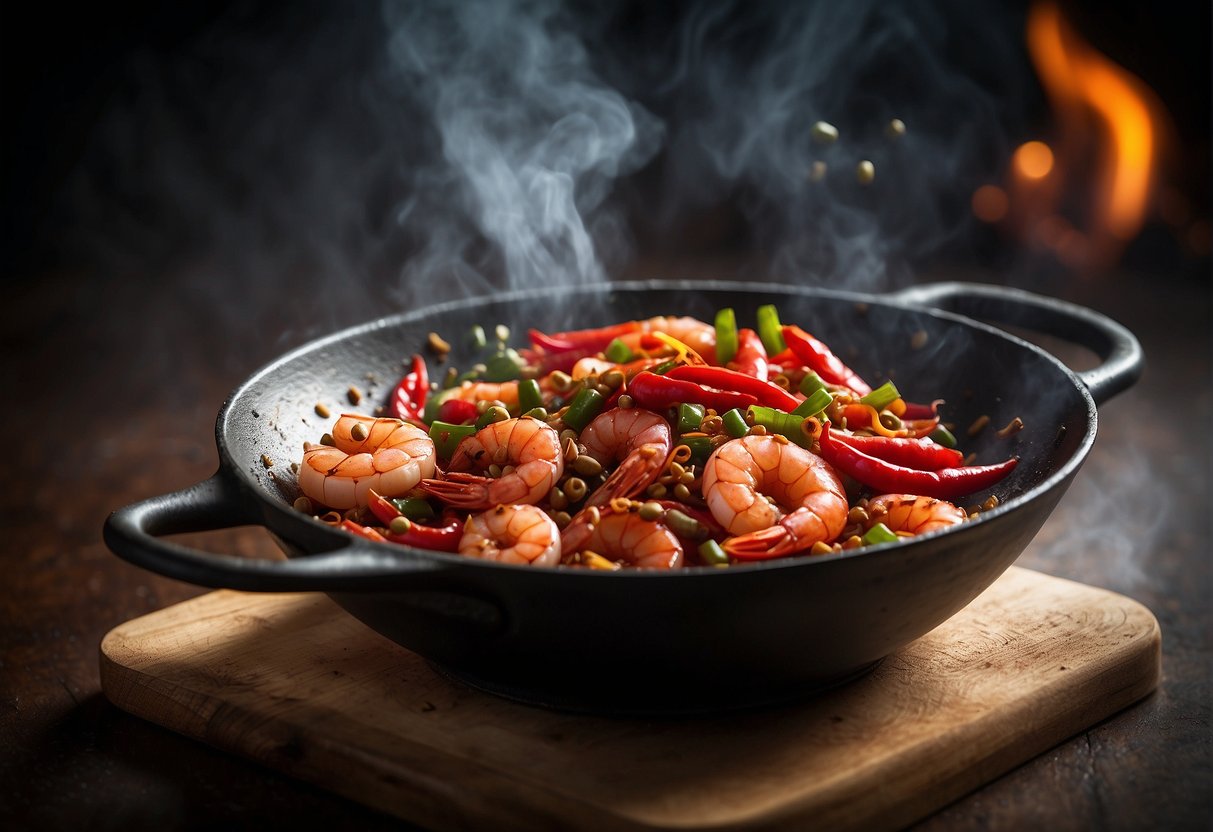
x=295, y=683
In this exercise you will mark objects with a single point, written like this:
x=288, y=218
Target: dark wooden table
x=112, y=390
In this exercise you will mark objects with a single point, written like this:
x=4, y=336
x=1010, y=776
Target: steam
x=531, y=142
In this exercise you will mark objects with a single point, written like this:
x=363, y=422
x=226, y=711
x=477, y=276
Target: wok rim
x=345, y=539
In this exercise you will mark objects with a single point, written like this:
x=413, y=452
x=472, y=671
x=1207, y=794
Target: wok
x=695, y=640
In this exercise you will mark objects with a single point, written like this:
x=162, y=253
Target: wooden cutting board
x=293, y=682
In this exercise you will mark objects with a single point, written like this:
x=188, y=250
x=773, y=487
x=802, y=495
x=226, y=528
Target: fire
x=1106, y=151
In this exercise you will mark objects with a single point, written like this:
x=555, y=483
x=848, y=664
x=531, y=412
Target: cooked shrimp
x=909, y=514
x=775, y=496
x=505, y=392
x=693, y=332
x=527, y=449
x=392, y=458
x=520, y=534
x=625, y=536
x=636, y=438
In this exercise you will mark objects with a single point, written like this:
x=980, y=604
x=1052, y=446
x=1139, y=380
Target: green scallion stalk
x=817, y=401
x=447, y=437
x=880, y=533
x=776, y=421
x=529, y=395
x=726, y=335
x=943, y=436
x=712, y=554
x=414, y=508
x=811, y=383
x=618, y=352
x=881, y=397
x=734, y=423
x=770, y=330
x=585, y=406
x=690, y=417
x=477, y=338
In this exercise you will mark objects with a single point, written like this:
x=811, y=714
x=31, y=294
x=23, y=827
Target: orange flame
x=1110, y=126
x=1076, y=77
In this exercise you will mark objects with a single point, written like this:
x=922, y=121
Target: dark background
x=173, y=217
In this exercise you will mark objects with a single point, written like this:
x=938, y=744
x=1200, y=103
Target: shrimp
x=520, y=534
x=392, y=458
x=775, y=496
x=638, y=439
x=625, y=536
x=693, y=332
x=909, y=514
x=505, y=392
x=530, y=446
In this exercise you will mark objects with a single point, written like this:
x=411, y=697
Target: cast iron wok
x=699, y=639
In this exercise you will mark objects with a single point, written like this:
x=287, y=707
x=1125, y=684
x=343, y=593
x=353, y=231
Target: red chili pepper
x=408, y=398
x=456, y=411
x=922, y=411
x=885, y=477
x=444, y=538
x=659, y=392
x=751, y=357
x=767, y=394
x=817, y=356
x=594, y=340
x=920, y=454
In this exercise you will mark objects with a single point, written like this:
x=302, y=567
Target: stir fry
x=658, y=444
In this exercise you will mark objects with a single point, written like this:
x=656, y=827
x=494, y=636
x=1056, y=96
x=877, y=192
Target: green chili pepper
x=817, y=401
x=770, y=330
x=879, y=533
x=712, y=554
x=943, y=436
x=617, y=352
x=414, y=508
x=735, y=424
x=447, y=437
x=529, y=396
x=726, y=335
x=690, y=417
x=881, y=397
x=585, y=406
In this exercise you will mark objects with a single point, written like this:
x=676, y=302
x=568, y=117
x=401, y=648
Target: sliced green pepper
x=690, y=417
x=770, y=330
x=447, y=437
x=587, y=404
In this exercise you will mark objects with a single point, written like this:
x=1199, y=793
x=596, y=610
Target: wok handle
x=134, y=534
x=1118, y=349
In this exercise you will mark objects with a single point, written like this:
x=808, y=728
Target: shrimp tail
x=460, y=490
x=636, y=473
x=772, y=542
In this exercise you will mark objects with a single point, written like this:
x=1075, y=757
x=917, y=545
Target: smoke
x=530, y=142
x=341, y=162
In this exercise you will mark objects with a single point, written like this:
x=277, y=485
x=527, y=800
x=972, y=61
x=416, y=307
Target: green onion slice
x=817, y=401
x=690, y=417
x=735, y=424
x=770, y=330
x=726, y=335
x=529, y=395
x=943, y=436
x=881, y=397
x=880, y=533
x=712, y=554
x=587, y=404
